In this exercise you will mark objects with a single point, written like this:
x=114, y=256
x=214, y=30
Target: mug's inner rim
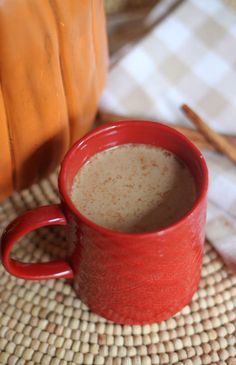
x=65, y=190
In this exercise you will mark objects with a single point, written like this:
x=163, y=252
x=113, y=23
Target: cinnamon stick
x=194, y=135
x=216, y=139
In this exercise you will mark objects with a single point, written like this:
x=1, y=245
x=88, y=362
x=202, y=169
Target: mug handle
x=39, y=217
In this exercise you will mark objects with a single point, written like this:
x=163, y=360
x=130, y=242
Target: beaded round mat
x=45, y=323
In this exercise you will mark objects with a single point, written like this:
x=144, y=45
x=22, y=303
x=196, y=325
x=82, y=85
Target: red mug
x=124, y=277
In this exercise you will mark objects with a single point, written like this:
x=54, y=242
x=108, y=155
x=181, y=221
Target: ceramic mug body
x=124, y=277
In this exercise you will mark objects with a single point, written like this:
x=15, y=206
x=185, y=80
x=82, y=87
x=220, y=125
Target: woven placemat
x=44, y=323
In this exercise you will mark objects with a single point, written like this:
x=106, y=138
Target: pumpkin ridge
x=11, y=139
x=81, y=76
x=95, y=51
x=94, y=40
x=55, y=17
x=101, y=55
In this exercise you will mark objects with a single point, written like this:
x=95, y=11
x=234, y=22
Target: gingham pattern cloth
x=188, y=58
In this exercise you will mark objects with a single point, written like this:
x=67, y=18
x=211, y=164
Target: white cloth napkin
x=189, y=58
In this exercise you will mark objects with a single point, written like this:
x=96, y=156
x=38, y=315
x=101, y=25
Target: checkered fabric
x=189, y=58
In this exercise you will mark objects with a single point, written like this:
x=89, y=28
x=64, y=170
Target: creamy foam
x=134, y=188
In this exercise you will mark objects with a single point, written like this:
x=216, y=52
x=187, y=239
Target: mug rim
x=65, y=196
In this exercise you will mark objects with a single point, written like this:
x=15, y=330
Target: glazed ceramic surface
x=127, y=278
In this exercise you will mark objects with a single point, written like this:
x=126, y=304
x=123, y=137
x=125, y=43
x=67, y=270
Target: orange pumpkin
x=53, y=62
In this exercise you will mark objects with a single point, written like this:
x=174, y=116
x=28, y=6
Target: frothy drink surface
x=134, y=188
